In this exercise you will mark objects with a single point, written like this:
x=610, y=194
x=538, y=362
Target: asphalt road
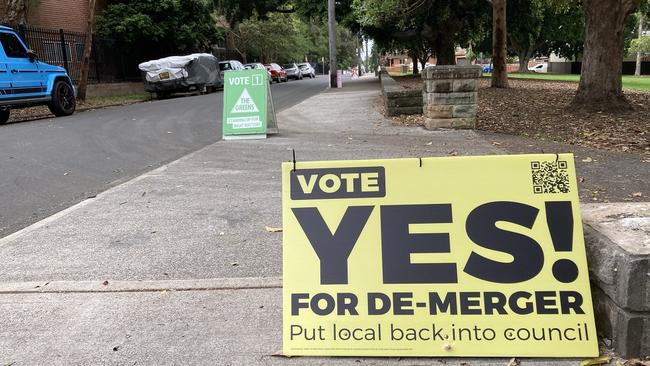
x=49, y=165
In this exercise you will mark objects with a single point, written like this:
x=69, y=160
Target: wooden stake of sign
x=271, y=122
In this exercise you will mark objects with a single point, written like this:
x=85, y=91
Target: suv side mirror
x=31, y=55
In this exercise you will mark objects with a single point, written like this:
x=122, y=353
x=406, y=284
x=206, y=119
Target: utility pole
x=331, y=16
x=637, y=71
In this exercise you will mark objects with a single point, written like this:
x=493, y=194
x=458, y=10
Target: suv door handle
x=14, y=71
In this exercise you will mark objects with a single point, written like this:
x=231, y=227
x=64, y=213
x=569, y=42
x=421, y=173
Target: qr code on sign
x=550, y=176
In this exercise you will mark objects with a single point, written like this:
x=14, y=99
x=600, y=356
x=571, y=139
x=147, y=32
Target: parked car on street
x=307, y=70
x=487, y=69
x=293, y=72
x=541, y=68
x=257, y=65
x=26, y=82
x=277, y=72
x=230, y=65
x=174, y=74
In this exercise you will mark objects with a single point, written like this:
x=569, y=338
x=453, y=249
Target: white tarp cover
x=170, y=73
x=169, y=68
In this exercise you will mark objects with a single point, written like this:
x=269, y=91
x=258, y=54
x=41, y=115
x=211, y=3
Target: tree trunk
x=524, y=57
x=445, y=50
x=15, y=12
x=600, y=87
x=523, y=62
x=499, y=56
x=359, y=59
x=414, y=58
x=230, y=39
x=637, y=70
x=423, y=63
x=85, y=62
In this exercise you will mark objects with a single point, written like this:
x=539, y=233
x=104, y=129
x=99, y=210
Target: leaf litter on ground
x=540, y=109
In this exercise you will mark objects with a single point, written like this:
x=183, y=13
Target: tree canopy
x=440, y=24
x=285, y=37
x=159, y=27
x=641, y=45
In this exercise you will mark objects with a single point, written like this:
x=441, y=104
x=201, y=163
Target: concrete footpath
x=176, y=267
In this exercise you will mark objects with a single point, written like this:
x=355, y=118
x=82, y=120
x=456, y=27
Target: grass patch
x=641, y=83
x=116, y=99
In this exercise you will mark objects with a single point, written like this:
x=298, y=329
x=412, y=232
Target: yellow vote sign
x=458, y=256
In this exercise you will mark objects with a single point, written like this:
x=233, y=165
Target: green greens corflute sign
x=245, y=96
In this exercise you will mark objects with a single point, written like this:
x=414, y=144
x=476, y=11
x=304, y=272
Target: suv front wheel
x=4, y=116
x=63, y=101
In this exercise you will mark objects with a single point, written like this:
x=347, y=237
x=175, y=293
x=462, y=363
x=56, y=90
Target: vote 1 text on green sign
x=244, y=104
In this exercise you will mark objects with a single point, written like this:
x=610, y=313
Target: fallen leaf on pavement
x=587, y=160
x=273, y=229
x=637, y=194
x=163, y=292
x=105, y=283
x=513, y=362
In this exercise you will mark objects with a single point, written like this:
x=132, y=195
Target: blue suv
x=25, y=81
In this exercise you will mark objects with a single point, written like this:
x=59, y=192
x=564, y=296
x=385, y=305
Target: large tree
x=15, y=11
x=637, y=45
x=235, y=11
x=600, y=85
x=442, y=24
x=154, y=28
x=540, y=27
x=499, y=50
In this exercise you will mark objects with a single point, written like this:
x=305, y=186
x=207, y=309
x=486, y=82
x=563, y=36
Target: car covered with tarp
x=195, y=72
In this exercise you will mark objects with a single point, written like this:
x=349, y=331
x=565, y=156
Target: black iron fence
x=56, y=47
x=65, y=48
x=108, y=62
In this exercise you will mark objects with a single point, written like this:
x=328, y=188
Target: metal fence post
x=94, y=51
x=21, y=32
x=64, y=51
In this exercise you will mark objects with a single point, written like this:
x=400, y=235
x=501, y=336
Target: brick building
x=69, y=15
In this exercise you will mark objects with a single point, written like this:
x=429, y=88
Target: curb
x=210, y=284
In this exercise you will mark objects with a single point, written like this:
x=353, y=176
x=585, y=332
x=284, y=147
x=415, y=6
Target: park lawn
x=641, y=83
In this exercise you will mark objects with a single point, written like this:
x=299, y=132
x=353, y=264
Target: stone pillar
x=617, y=236
x=450, y=96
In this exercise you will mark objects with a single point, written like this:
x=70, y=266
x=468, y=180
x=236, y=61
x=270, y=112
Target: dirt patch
x=539, y=109
x=410, y=81
x=39, y=112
